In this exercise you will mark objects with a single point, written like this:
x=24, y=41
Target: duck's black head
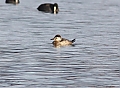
x=56, y=9
x=57, y=36
x=55, y=4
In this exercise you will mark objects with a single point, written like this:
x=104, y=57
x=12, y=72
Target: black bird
x=12, y=1
x=49, y=8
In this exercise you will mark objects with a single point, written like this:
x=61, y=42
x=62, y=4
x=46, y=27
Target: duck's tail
x=73, y=40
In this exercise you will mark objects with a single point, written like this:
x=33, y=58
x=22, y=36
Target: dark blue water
x=29, y=60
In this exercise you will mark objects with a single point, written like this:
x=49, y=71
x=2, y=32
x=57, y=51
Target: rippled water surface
x=29, y=60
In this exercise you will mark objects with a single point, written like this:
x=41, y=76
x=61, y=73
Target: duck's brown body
x=59, y=41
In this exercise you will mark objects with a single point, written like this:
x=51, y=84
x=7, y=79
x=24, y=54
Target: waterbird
x=49, y=8
x=12, y=1
x=58, y=41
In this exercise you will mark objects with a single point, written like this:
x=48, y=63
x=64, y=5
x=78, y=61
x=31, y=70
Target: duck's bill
x=52, y=39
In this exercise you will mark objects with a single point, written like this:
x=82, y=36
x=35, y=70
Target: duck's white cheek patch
x=54, y=9
x=16, y=1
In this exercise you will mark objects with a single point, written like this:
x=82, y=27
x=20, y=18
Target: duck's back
x=47, y=7
x=63, y=42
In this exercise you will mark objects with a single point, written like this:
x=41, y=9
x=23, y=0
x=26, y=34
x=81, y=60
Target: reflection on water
x=28, y=58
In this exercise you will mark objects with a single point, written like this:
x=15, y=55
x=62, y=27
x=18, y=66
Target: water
x=29, y=60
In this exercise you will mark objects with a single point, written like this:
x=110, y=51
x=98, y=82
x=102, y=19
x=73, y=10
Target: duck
x=58, y=41
x=12, y=1
x=49, y=8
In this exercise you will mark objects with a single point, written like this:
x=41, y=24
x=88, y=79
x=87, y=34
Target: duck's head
x=57, y=38
x=56, y=9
